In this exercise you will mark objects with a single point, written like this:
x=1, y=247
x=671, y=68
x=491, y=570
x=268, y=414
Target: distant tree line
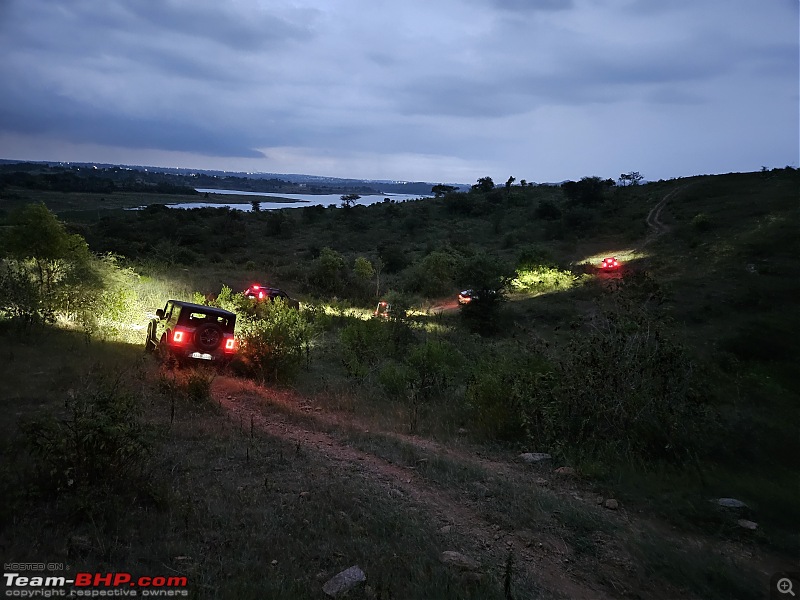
x=70, y=181
x=107, y=180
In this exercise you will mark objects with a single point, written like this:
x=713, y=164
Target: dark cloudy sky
x=434, y=90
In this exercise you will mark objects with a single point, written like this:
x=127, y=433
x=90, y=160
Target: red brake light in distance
x=177, y=337
x=260, y=295
x=256, y=287
x=230, y=344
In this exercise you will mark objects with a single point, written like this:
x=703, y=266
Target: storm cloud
x=445, y=91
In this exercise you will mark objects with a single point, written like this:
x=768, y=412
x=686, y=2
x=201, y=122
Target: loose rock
x=458, y=560
x=535, y=457
x=611, y=504
x=731, y=503
x=344, y=581
x=751, y=525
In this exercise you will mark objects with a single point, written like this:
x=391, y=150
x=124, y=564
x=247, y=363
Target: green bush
x=702, y=223
x=425, y=373
x=501, y=393
x=275, y=339
x=434, y=275
x=364, y=344
x=327, y=274
x=187, y=385
x=624, y=389
x=100, y=441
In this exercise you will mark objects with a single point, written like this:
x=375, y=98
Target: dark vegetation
x=109, y=179
x=666, y=386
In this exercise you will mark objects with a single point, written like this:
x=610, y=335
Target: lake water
x=294, y=200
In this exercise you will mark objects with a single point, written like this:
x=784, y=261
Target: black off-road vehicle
x=189, y=331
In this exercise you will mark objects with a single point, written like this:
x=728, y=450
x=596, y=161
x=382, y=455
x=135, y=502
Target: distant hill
x=85, y=176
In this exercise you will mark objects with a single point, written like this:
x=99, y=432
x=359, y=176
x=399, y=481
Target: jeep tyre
x=208, y=337
x=149, y=343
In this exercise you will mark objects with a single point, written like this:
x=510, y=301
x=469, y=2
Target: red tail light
x=260, y=295
x=230, y=344
x=178, y=337
x=256, y=287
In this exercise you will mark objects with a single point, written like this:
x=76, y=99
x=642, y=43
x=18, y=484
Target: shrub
x=624, y=389
x=327, y=273
x=364, y=344
x=434, y=275
x=548, y=211
x=100, y=440
x=186, y=385
x=275, y=339
x=701, y=222
x=543, y=279
x=501, y=391
x=425, y=373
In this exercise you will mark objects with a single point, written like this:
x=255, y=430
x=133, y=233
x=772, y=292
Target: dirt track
x=540, y=557
x=657, y=227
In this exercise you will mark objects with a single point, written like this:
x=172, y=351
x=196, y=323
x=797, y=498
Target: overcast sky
x=433, y=90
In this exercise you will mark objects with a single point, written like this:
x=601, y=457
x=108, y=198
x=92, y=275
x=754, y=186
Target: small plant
x=98, y=441
x=426, y=372
x=185, y=386
x=702, y=222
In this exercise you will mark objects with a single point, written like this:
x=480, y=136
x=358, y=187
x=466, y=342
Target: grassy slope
x=731, y=279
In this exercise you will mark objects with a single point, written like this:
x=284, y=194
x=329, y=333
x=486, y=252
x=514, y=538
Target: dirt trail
x=541, y=557
x=657, y=227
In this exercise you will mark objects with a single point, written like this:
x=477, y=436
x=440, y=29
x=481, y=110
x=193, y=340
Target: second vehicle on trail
x=260, y=292
x=189, y=331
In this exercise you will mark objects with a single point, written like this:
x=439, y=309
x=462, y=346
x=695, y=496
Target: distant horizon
x=497, y=181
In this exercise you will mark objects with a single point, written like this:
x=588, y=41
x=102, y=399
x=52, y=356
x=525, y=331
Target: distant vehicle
x=260, y=292
x=189, y=331
x=609, y=264
x=383, y=310
x=466, y=296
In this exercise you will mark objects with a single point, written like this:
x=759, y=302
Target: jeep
x=189, y=331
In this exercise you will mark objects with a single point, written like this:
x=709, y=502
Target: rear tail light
x=230, y=344
x=260, y=295
x=178, y=337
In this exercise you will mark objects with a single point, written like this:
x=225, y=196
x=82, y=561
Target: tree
x=509, y=181
x=488, y=277
x=363, y=269
x=363, y=272
x=256, y=205
x=47, y=271
x=588, y=191
x=434, y=275
x=485, y=184
x=327, y=271
x=442, y=190
x=349, y=200
x=632, y=178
